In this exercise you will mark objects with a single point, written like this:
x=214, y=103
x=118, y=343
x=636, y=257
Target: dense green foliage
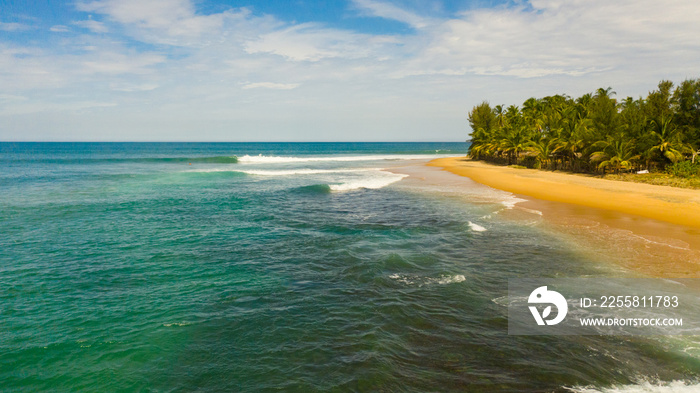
x=684, y=169
x=595, y=132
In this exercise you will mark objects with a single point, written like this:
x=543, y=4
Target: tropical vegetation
x=595, y=133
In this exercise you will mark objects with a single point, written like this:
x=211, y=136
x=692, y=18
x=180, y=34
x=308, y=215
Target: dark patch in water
x=313, y=189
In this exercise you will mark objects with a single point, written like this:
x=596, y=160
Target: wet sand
x=606, y=219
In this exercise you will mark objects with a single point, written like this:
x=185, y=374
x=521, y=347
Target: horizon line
x=156, y=141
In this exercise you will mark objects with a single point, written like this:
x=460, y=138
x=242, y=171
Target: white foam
x=211, y=170
x=291, y=172
x=512, y=201
x=677, y=244
x=643, y=387
x=177, y=324
x=451, y=279
x=261, y=159
x=379, y=180
x=403, y=278
x=281, y=172
x=370, y=178
x=531, y=211
x=476, y=227
x=421, y=281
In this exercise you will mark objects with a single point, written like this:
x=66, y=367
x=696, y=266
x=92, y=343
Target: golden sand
x=674, y=205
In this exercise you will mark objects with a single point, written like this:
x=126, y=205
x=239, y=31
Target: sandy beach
x=653, y=229
x=669, y=204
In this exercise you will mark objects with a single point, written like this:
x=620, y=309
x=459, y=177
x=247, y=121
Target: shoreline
x=607, y=217
x=672, y=205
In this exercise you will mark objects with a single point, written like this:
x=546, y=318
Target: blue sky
x=302, y=70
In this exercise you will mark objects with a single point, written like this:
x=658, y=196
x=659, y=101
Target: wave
x=643, y=387
x=531, y=211
x=512, y=201
x=261, y=159
x=374, y=178
x=291, y=172
x=476, y=227
x=369, y=182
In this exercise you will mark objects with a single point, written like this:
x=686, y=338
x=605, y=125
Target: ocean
x=295, y=267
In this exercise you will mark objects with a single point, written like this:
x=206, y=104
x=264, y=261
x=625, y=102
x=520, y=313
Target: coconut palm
x=667, y=140
x=544, y=150
x=481, y=145
x=607, y=93
x=618, y=155
x=572, y=138
x=514, y=141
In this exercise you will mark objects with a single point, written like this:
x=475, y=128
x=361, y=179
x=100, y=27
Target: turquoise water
x=279, y=267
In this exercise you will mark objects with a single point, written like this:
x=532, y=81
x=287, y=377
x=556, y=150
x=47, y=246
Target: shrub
x=684, y=169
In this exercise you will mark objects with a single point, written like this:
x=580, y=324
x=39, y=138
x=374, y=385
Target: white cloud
x=572, y=38
x=149, y=13
x=172, y=22
x=7, y=98
x=92, y=25
x=271, y=85
x=38, y=106
x=312, y=42
x=131, y=87
x=59, y=29
x=25, y=69
x=40, y=72
x=13, y=26
x=119, y=63
x=389, y=11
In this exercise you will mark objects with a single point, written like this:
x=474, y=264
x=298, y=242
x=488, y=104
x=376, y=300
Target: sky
x=302, y=70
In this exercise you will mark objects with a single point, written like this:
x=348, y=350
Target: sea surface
x=293, y=267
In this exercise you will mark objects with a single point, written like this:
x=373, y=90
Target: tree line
x=594, y=133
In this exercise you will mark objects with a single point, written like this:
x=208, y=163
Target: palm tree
x=500, y=115
x=514, y=141
x=583, y=105
x=552, y=116
x=667, y=140
x=572, y=138
x=617, y=154
x=533, y=114
x=607, y=93
x=482, y=145
x=544, y=151
x=512, y=114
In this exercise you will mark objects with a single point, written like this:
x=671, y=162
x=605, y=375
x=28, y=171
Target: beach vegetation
x=658, y=179
x=595, y=133
x=686, y=169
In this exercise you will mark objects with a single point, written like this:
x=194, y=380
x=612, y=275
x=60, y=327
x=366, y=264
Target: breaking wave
x=379, y=180
x=261, y=159
x=642, y=387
